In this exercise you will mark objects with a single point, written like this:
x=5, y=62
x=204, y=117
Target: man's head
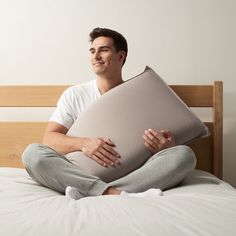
x=119, y=42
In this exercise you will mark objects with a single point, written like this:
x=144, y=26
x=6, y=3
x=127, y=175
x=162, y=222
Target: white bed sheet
x=202, y=205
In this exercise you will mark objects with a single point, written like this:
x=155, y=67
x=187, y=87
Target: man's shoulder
x=81, y=88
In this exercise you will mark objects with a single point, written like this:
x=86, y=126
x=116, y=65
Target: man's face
x=104, y=58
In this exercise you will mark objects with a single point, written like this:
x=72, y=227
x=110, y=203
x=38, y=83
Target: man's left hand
x=156, y=141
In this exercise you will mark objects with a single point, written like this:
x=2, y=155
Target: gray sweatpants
x=163, y=170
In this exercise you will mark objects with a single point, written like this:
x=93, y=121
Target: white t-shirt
x=73, y=101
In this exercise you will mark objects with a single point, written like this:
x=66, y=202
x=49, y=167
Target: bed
x=203, y=204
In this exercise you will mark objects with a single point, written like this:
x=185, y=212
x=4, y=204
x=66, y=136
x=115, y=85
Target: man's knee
x=185, y=156
x=32, y=156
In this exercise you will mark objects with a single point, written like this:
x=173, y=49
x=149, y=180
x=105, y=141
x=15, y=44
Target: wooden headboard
x=15, y=136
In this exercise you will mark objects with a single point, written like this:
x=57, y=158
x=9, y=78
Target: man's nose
x=97, y=55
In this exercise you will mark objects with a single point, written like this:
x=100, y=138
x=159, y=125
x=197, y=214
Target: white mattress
x=202, y=205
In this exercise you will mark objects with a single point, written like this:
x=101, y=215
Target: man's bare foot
x=111, y=191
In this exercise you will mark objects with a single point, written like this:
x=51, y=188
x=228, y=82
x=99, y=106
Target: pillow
x=123, y=113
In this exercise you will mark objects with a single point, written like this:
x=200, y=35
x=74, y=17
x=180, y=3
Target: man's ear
x=122, y=55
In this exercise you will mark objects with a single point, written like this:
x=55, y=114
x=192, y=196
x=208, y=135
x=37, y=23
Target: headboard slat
x=30, y=96
x=218, y=128
x=195, y=95
x=14, y=137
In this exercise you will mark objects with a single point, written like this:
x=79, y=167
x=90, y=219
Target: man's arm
x=99, y=149
x=56, y=138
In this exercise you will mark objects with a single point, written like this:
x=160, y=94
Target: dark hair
x=119, y=40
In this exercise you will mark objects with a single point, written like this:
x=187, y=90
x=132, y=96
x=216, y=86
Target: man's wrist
x=81, y=143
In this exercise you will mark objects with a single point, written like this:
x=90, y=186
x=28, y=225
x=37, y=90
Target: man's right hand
x=101, y=150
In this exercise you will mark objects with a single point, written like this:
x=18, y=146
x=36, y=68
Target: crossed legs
x=163, y=170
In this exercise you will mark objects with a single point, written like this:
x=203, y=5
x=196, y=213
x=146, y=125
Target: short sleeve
x=75, y=100
x=64, y=113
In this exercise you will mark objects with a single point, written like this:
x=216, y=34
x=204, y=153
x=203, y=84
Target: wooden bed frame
x=15, y=136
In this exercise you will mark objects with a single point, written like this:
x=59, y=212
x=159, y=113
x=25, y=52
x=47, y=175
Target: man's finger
x=166, y=133
x=108, y=141
x=151, y=143
x=104, y=158
x=98, y=160
x=153, y=150
x=111, y=150
x=158, y=135
x=154, y=136
x=112, y=159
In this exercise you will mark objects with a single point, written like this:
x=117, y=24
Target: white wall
x=185, y=41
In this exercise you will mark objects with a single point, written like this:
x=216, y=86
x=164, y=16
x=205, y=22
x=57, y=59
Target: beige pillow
x=123, y=113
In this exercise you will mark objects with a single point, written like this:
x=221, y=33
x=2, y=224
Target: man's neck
x=106, y=83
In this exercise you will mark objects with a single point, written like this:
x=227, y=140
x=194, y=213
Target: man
x=47, y=165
